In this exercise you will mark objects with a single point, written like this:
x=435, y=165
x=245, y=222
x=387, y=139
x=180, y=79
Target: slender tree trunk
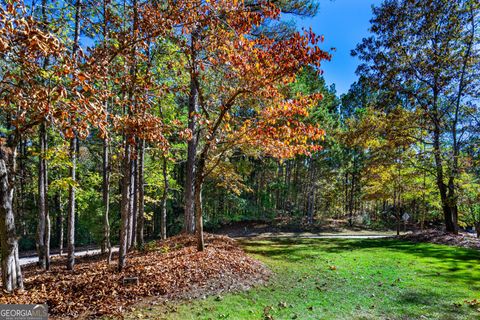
x=59, y=222
x=193, y=108
x=279, y=183
x=48, y=225
x=351, y=200
x=199, y=213
x=10, y=264
x=345, y=184
x=106, y=245
x=41, y=227
x=141, y=195
x=71, y=208
x=311, y=191
x=134, y=202
x=73, y=158
x=396, y=208
x=21, y=213
x=424, y=204
x=124, y=207
x=163, y=216
x=130, y=205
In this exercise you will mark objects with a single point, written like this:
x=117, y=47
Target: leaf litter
x=170, y=269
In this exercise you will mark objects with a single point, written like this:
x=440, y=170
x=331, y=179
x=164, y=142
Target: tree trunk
x=351, y=200
x=48, y=224
x=43, y=228
x=141, y=195
x=22, y=197
x=345, y=207
x=193, y=108
x=10, y=264
x=446, y=205
x=59, y=222
x=130, y=204
x=73, y=158
x=311, y=191
x=279, y=183
x=106, y=245
x=124, y=207
x=163, y=216
x=42, y=224
x=71, y=207
x=395, y=209
x=127, y=187
x=199, y=214
x=134, y=202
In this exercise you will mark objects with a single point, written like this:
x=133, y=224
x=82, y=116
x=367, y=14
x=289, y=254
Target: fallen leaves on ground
x=441, y=237
x=175, y=269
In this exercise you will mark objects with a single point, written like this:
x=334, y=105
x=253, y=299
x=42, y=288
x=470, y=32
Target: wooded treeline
x=111, y=108
x=125, y=121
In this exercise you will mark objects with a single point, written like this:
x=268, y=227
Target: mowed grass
x=348, y=279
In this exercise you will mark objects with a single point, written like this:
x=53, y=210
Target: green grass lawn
x=349, y=279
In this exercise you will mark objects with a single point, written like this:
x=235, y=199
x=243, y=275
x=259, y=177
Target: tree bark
x=132, y=171
x=59, y=222
x=71, y=207
x=130, y=203
x=141, y=195
x=163, y=217
x=446, y=204
x=73, y=158
x=199, y=213
x=134, y=202
x=41, y=226
x=352, y=198
x=106, y=245
x=11, y=271
x=124, y=207
x=193, y=108
x=311, y=191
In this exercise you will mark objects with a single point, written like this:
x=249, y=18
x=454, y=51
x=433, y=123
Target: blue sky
x=343, y=23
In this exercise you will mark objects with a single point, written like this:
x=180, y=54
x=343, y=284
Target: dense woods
x=127, y=121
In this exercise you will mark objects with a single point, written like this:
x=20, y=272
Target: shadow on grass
x=453, y=264
x=427, y=298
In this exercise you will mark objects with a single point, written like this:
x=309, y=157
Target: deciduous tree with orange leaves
x=236, y=80
x=30, y=93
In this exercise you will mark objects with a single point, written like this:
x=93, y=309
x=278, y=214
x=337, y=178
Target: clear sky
x=343, y=23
